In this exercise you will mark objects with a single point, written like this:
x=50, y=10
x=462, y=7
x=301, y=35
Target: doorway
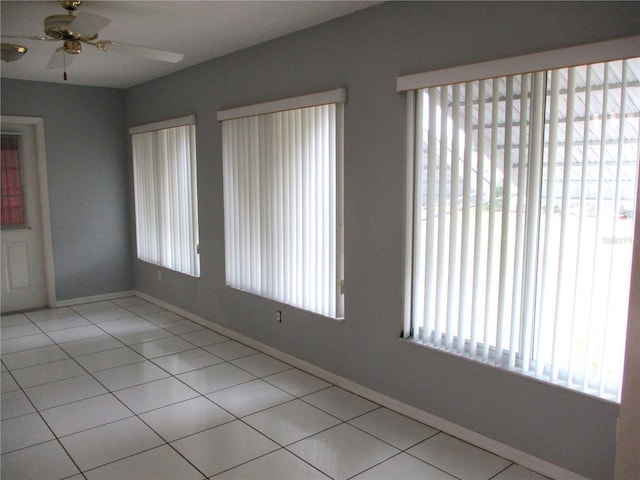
x=26, y=258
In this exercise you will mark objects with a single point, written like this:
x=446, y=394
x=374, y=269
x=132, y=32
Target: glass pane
x=472, y=203
x=12, y=212
x=165, y=188
x=282, y=181
x=587, y=219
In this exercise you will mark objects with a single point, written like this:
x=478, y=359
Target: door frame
x=43, y=188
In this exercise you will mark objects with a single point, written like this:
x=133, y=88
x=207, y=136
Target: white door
x=24, y=278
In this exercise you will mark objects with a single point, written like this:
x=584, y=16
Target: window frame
x=618, y=49
x=338, y=98
x=165, y=260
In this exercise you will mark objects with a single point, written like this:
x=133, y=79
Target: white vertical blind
x=522, y=220
x=283, y=206
x=165, y=183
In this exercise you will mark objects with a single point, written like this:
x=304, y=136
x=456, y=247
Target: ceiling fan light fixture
x=11, y=52
x=73, y=47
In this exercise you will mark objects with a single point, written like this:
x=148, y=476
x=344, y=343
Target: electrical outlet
x=279, y=316
x=159, y=275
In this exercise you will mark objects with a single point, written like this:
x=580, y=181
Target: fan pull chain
x=64, y=63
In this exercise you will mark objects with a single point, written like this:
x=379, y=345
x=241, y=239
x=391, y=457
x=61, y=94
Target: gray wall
x=365, y=52
x=88, y=180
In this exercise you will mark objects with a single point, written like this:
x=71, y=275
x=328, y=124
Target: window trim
x=337, y=95
x=619, y=49
x=163, y=125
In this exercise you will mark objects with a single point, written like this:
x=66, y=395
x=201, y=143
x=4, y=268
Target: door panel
x=18, y=265
x=24, y=284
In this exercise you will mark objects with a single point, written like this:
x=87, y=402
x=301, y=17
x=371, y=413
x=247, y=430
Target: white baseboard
x=94, y=298
x=517, y=456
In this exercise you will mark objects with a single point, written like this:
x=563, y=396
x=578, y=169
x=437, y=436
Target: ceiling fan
x=78, y=30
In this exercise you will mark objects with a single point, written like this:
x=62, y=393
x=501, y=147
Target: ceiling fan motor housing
x=70, y=5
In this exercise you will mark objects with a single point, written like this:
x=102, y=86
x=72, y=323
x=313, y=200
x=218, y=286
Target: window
x=283, y=200
x=521, y=205
x=164, y=168
x=12, y=212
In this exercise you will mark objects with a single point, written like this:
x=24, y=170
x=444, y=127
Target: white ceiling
x=200, y=29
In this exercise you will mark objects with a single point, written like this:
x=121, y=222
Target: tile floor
x=125, y=390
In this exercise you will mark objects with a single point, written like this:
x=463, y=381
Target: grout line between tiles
x=505, y=468
x=374, y=466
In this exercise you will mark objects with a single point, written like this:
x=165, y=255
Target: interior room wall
x=364, y=52
x=88, y=181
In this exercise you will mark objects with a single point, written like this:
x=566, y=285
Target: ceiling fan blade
x=139, y=51
x=34, y=37
x=59, y=59
x=88, y=25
